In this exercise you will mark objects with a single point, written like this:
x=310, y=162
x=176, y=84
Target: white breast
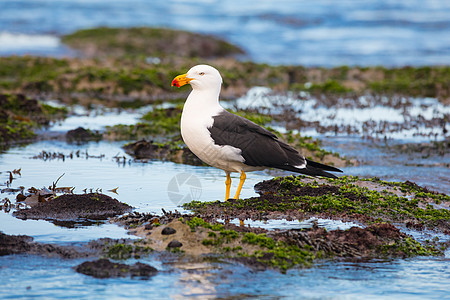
x=194, y=130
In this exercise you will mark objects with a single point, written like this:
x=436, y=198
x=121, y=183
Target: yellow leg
x=241, y=183
x=228, y=186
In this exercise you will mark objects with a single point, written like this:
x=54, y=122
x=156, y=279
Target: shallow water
x=419, y=278
x=150, y=186
x=318, y=33
x=401, y=119
x=284, y=224
x=143, y=185
x=378, y=159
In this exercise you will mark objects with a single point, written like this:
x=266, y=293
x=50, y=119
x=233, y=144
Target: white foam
x=10, y=42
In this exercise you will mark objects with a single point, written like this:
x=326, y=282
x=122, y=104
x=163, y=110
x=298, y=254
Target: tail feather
x=321, y=166
x=313, y=169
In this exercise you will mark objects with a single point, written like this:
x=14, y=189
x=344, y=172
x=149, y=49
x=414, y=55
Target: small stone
x=21, y=197
x=168, y=230
x=174, y=244
x=104, y=268
x=79, y=134
x=142, y=270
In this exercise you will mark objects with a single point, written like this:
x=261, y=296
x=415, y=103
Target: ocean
x=311, y=33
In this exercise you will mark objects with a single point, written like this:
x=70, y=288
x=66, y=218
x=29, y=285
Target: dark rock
x=104, y=268
x=148, y=42
x=149, y=150
x=73, y=207
x=168, y=231
x=20, y=197
x=415, y=225
x=14, y=244
x=142, y=270
x=174, y=244
x=18, y=244
x=354, y=242
x=80, y=134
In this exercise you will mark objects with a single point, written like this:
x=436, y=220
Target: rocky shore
x=131, y=68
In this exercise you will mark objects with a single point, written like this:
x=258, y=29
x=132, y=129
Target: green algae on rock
x=285, y=249
x=146, y=41
x=19, y=116
x=366, y=201
x=204, y=237
x=123, y=251
x=126, y=82
x=157, y=123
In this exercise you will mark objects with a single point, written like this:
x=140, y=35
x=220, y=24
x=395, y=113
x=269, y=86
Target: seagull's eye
x=201, y=73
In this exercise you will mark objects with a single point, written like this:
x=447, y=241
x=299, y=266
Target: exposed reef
x=148, y=42
x=348, y=198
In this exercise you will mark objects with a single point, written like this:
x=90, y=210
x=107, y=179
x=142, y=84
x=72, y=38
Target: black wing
x=260, y=147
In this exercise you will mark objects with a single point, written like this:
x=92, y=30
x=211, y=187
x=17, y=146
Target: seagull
x=230, y=142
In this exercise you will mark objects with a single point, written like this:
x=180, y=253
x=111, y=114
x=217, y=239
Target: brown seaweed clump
x=75, y=207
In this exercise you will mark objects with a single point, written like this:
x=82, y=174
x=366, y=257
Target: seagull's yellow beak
x=181, y=80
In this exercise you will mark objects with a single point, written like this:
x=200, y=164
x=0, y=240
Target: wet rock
x=20, y=197
x=415, y=225
x=350, y=198
x=174, y=244
x=253, y=262
x=149, y=150
x=143, y=270
x=18, y=115
x=80, y=135
x=168, y=231
x=75, y=207
x=104, y=268
x=150, y=42
x=377, y=240
x=14, y=244
x=22, y=244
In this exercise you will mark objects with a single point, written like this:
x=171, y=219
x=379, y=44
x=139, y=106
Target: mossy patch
x=157, y=123
x=201, y=235
x=346, y=197
x=19, y=116
x=123, y=251
x=125, y=82
x=250, y=246
x=284, y=249
x=145, y=41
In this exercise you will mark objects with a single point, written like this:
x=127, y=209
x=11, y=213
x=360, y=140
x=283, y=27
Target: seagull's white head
x=200, y=77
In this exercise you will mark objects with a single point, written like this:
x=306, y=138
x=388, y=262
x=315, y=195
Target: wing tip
x=312, y=168
x=317, y=165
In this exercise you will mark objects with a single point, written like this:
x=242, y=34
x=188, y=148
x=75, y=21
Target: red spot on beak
x=175, y=83
x=180, y=80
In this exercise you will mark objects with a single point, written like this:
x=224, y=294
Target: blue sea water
x=312, y=33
